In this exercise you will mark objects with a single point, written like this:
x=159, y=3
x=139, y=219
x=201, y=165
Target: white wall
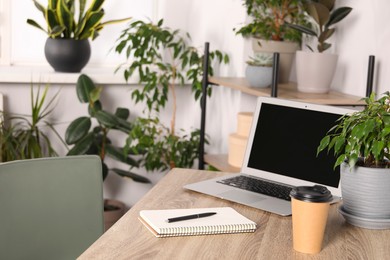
x=364, y=32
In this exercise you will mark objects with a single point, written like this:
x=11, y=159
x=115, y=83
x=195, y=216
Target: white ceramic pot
x=285, y=49
x=366, y=192
x=258, y=76
x=315, y=71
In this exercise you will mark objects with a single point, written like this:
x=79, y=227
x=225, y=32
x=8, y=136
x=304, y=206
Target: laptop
x=282, y=150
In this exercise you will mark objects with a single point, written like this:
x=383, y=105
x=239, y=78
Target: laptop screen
x=285, y=143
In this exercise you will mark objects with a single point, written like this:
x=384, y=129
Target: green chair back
x=50, y=208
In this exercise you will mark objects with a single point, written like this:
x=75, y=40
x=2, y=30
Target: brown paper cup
x=309, y=222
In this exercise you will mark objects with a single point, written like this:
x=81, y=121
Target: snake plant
x=60, y=16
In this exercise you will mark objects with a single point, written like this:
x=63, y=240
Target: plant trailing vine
x=163, y=60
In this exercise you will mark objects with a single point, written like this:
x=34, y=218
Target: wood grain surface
x=129, y=239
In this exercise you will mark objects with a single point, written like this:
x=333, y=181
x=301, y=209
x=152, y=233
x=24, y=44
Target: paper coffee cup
x=310, y=207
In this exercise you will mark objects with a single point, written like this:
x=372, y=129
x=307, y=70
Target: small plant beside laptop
x=361, y=142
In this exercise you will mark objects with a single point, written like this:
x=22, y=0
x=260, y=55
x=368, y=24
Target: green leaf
x=119, y=154
x=326, y=35
x=122, y=113
x=385, y=132
x=77, y=130
x=319, y=13
x=106, y=119
x=339, y=160
x=323, y=144
x=133, y=176
x=353, y=158
x=339, y=143
x=65, y=17
x=328, y=3
x=377, y=148
x=84, y=87
x=104, y=170
x=83, y=145
x=303, y=29
x=338, y=15
x=35, y=24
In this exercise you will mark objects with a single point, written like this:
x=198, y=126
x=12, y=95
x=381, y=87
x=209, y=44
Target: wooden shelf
x=285, y=91
x=220, y=162
x=289, y=91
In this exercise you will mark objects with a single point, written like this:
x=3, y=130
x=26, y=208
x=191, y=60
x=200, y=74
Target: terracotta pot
x=115, y=212
x=315, y=71
x=285, y=49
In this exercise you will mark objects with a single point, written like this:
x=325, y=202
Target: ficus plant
x=324, y=16
x=91, y=134
x=163, y=60
x=27, y=136
x=270, y=18
x=61, y=20
x=362, y=138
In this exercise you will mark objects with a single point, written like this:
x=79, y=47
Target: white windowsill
x=45, y=74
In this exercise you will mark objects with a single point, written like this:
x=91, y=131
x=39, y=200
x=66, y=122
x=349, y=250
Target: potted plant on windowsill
x=87, y=138
x=258, y=71
x=315, y=70
x=361, y=142
x=67, y=49
x=269, y=30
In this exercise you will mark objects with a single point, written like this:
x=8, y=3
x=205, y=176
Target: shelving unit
x=286, y=91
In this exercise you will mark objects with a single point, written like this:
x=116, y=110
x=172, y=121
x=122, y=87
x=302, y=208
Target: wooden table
x=129, y=239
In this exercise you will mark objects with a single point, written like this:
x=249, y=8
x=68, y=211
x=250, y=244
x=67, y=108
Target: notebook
x=226, y=220
x=282, y=149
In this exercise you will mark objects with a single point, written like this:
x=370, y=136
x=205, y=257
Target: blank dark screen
x=286, y=141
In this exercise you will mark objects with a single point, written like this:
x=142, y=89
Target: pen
x=200, y=215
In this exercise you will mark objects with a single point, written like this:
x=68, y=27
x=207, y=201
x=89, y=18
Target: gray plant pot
x=67, y=55
x=366, y=192
x=258, y=76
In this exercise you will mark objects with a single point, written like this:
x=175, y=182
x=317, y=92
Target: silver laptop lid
x=283, y=141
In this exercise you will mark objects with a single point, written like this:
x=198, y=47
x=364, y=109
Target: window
x=22, y=44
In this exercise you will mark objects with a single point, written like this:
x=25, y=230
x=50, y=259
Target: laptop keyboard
x=259, y=186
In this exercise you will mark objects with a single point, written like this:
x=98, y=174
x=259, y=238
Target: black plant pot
x=67, y=55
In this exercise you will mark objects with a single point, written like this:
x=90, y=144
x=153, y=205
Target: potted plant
x=315, y=70
x=361, y=143
x=26, y=136
x=164, y=61
x=269, y=30
x=259, y=70
x=67, y=49
x=87, y=138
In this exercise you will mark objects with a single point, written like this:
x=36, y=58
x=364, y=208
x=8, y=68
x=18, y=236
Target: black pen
x=200, y=215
